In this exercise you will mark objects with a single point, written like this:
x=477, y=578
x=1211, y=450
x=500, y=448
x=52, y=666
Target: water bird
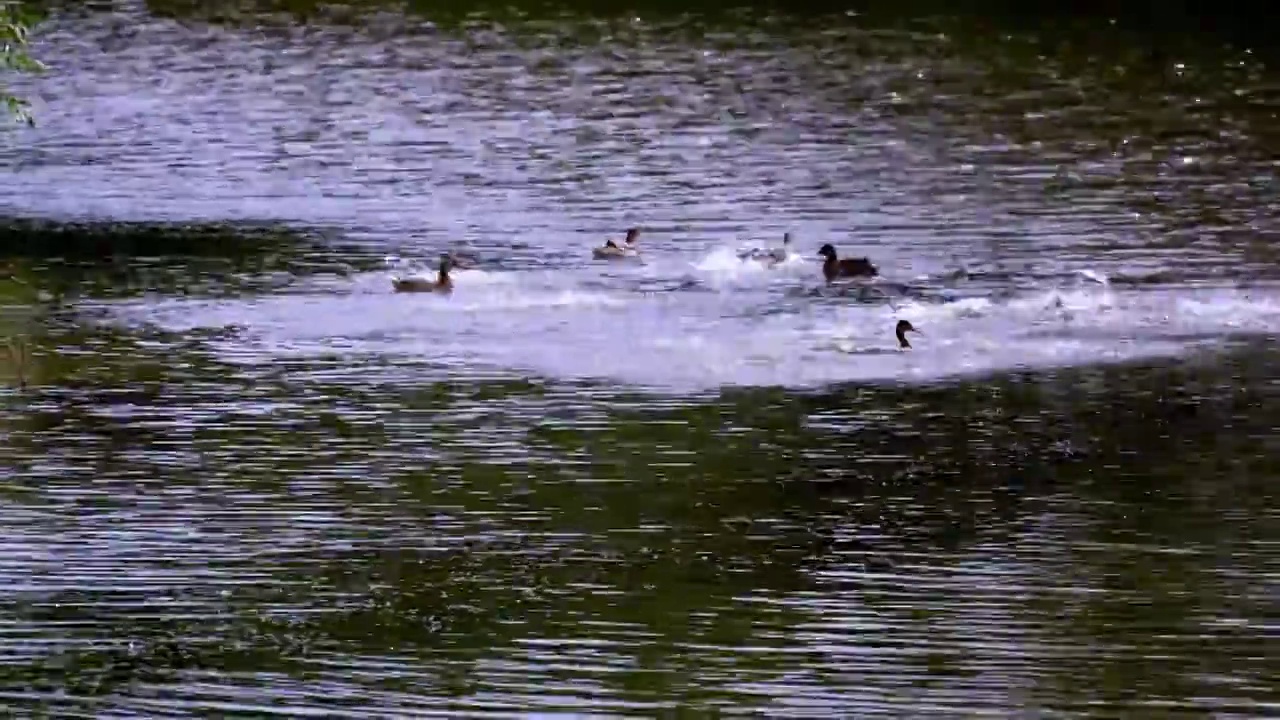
x=848, y=267
x=900, y=331
x=769, y=258
x=611, y=251
x=457, y=262
x=904, y=327
x=461, y=262
x=442, y=284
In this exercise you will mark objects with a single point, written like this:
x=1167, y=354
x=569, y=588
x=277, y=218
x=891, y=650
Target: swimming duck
x=769, y=257
x=900, y=331
x=461, y=262
x=848, y=267
x=779, y=255
x=904, y=327
x=442, y=284
x=611, y=251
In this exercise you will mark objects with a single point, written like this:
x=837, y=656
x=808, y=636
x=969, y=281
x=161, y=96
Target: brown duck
x=848, y=267
x=442, y=284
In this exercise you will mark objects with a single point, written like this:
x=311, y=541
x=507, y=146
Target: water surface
x=247, y=478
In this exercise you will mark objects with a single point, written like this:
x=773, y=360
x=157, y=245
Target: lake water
x=247, y=478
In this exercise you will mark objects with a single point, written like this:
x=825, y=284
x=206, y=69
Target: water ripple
x=245, y=478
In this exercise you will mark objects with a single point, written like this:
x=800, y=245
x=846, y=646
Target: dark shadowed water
x=245, y=478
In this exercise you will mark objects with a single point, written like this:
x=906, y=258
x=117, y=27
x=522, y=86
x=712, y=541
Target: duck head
x=827, y=251
x=904, y=327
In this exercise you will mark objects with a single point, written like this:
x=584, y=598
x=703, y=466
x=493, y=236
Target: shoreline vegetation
x=16, y=22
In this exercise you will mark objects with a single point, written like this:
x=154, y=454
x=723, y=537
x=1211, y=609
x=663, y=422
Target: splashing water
x=720, y=320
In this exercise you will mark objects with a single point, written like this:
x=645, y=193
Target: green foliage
x=14, y=25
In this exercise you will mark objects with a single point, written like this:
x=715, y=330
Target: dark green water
x=244, y=480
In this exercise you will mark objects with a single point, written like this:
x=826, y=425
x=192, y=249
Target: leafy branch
x=15, y=23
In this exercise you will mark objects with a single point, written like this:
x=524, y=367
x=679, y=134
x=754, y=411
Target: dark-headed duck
x=442, y=284
x=904, y=327
x=611, y=251
x=849, y=267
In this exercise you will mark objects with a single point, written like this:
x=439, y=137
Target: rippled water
x=529, y=142
x=245, y=477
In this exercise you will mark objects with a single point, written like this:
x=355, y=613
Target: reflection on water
x=248, y=479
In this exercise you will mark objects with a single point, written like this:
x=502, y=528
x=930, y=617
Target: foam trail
x=723, y=267
x=636, y=327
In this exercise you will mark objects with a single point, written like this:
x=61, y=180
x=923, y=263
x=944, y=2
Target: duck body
x=834, y=267
x=612, y=251
x=418, y=285
x=443, y=284
x=769, y=258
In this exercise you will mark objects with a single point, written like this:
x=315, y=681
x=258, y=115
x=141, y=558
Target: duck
x=611, y=251
x=904, y=327
x=461, y=262
x=442, y=284
x=849, y=267
x=900, y=331
x=769, y=258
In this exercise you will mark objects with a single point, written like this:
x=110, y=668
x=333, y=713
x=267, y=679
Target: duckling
x=611, y=251
x=849, y=267
x=442, y=284
x=904, y=327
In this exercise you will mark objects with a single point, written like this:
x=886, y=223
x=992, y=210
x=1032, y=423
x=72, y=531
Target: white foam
x=537, y=323
x=723, y=267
